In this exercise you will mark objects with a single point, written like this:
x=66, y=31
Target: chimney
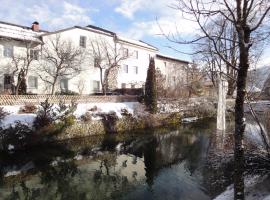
x=35, y=26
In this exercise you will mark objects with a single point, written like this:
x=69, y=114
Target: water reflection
x=158, y=164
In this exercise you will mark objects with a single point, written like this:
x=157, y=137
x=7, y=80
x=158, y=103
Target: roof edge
x=21, y=26
x=172, y=58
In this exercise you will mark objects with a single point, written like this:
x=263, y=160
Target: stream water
x=169, y=163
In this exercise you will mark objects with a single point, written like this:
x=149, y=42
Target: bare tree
x=60, y=58
x=227, y=46
x=20, y=65
x=107, y=58
x=193, y=79
x=249, y=18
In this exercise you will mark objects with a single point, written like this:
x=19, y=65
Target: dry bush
x=125, y=113
x=94, y=109
x=86, y=117
x=28, y=108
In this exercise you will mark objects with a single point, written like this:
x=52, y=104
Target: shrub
x=150, y=88
x=63, y=111
x=87, y=117
x=45, y=115
x=129, y=91
x=205, y=109
x=109, y=121
x=94, y=109
x=28, y=108
x=125, y=113
x=69, y=92
x=16, y=137
x=54, y=119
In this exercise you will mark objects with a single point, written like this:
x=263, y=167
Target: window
x=125, y=52
x=8, y=79
x=125, y=69
x=96, y=62
x=34, y=54
x=64, y=85
x=96, y=86
x=165, y=64
x=135, y=54
x=123, y=85
x=82, y=41
x=33, y=82
x=8, y=51
x=135, y=70
x=132, y=86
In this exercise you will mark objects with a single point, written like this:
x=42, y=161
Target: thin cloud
x=51, y=14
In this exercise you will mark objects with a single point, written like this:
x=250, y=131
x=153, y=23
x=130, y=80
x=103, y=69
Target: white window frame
x=125, y=52
x=82, y=41
x=136, y=54
x=135, y=69
x=125, y=69
x=34, y=54
x=97, y=84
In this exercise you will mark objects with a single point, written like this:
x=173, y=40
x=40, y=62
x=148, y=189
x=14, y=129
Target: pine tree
x=150, y=88
x=22, y=87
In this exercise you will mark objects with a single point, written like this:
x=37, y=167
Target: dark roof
x=25, y=27
x=101, y=29
x=148, y=44
x=171, y=58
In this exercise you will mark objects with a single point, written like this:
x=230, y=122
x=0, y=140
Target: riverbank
x=87, y=119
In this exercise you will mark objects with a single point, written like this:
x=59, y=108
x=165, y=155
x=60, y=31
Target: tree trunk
x=244, y=38
x=231, y=88
x=102, y=81
x=53, y=85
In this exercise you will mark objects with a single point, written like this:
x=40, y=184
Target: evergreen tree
x=150, y=88
x=22, y=87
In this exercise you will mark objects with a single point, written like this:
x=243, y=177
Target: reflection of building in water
x=131, y=167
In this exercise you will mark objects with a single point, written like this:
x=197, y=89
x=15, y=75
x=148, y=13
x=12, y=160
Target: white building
x=131, y=72
x=174, y=70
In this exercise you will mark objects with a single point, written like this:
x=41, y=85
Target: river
x=167, y=163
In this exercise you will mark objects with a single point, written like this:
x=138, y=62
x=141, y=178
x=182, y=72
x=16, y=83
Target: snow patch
x=253, y=189
x=28, y=119
x=11, y=119
x=11, y=147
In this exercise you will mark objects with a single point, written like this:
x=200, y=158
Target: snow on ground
x=106, y=107
x=11, y=119
x=252, y=133
x=14, y=117
x=256, y=188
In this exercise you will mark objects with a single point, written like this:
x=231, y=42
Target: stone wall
x=36, y=99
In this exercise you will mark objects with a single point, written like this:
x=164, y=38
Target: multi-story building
x=173, y=69
x=20, y=42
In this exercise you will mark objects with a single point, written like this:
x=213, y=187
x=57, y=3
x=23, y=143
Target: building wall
x=174, y=71
x=137, y=66
x=131, y=72
x=8, y=67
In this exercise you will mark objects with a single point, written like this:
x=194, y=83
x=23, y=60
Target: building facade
x=41, y=51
